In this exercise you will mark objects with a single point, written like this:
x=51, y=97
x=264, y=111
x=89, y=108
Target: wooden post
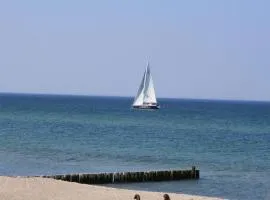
x=193, y=172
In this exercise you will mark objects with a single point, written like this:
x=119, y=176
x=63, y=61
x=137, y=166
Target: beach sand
x=21, y=188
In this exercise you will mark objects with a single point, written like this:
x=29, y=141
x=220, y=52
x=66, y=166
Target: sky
x=210, y=49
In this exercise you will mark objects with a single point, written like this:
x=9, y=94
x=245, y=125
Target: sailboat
x=146, y=97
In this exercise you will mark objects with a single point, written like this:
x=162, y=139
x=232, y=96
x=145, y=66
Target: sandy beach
x=21, y=188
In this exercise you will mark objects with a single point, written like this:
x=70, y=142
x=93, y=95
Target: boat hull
x=147, y=107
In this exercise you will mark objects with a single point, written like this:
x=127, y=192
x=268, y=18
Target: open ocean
x=229, y=141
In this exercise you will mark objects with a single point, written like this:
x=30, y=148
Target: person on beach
x=166, y=197
x=137, y=197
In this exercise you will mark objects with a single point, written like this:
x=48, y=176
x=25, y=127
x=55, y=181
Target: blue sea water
x=229, y=141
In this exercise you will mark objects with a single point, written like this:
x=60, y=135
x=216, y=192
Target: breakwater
x=129, y=177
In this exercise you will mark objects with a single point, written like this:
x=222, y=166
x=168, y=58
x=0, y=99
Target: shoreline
x=45, y=188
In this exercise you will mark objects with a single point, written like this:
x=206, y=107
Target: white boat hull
x=147, y=107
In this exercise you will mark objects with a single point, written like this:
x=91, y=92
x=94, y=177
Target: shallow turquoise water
x=228, y=140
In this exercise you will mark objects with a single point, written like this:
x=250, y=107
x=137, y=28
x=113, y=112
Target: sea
x=228, y=141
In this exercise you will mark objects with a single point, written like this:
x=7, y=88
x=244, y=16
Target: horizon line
x=124, y=96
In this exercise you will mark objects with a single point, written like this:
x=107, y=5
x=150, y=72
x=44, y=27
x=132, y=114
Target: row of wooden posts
x=128, y=177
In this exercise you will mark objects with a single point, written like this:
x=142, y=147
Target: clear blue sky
x=218, y=49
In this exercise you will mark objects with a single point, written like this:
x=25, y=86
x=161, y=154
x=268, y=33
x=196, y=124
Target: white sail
x=146, y=92
x=149, y=92
x=140, y=94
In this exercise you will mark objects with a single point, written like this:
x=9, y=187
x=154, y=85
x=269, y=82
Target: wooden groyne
x=129, y=177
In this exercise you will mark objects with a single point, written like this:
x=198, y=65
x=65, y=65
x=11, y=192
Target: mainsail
x=146, y=92
x=149, y=92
